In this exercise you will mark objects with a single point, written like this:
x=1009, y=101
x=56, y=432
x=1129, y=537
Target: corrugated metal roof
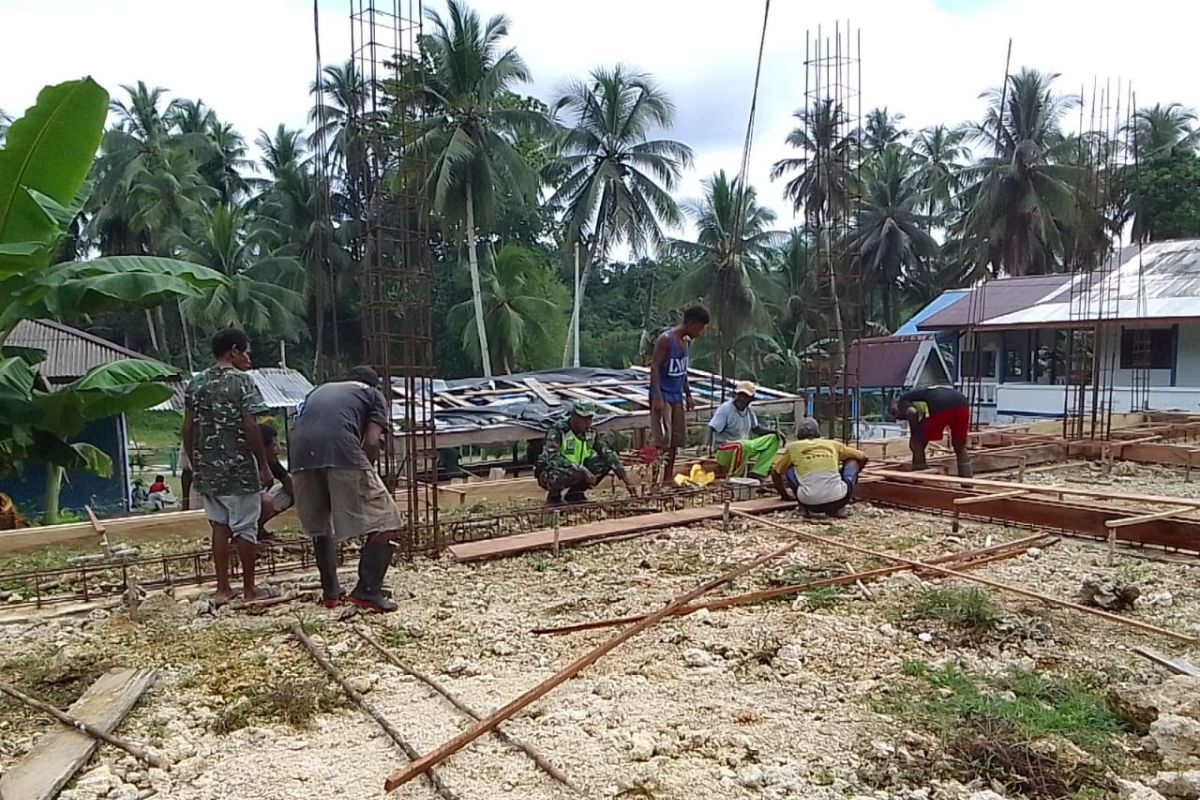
x=943, y=300
x=1162, y=282
x=279, y=386
x=70, y=352
x=994, y=298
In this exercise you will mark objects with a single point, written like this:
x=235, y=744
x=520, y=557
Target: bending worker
x=930, y=412
x=817, y=473
x=575, y=459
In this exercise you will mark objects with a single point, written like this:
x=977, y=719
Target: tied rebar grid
x=1093, y=336
x=94, y=581
x=397, y=271
x=832, y=120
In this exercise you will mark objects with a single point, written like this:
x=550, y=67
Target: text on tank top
x=674, y=370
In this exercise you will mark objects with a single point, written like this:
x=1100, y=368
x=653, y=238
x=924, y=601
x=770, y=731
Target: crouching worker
x=746, y=457
x=930, y=413
x=575, y=459
x=338, y=493
x=817, y=473
x=278, y=498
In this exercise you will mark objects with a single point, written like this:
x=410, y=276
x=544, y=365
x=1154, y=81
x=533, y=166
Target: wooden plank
x=987, y=498
x=1140, y=518
x=544, y=539
x=1176, y=665
x=537, y=388
x=919, y=477
x=51, y=763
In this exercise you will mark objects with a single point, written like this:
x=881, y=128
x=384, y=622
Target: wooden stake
x=434, y=779
x=146, y=757
x=489, y=723
x=499, y=732
x=969, y=560
x=1132, y=623
x=1176, y=665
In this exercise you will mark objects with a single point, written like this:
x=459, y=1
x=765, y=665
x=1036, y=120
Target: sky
x=252, y=60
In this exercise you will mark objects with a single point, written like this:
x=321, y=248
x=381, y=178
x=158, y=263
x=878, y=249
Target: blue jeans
x=849, y=474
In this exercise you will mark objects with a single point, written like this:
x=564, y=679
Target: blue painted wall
x=104, y=495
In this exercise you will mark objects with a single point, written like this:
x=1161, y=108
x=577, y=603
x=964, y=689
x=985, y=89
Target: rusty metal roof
x=891, y=362
x=280, y=387
x=70, y=352
x=994, y=298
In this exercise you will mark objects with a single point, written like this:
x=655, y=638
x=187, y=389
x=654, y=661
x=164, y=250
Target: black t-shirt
x=329, y=430
x=278, y=470
x=936, y=399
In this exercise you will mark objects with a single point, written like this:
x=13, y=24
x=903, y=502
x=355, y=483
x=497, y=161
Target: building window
x=973, y=365
x=1147, y=348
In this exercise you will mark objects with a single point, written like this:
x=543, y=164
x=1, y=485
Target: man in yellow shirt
x=817, y=473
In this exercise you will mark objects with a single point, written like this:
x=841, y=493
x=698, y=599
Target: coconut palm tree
x=265, y=291
x=618, y=177
x=1159, y=130
x=467, y=138
x=1018, y=199
x=5, y=121
x=882, y=130
x=890, y=234
x=940, y=155
x=822, y=188
x=520, y=319
x=734, y=245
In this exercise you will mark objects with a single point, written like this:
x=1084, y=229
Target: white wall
x=1047, y=401
x=1187, y=367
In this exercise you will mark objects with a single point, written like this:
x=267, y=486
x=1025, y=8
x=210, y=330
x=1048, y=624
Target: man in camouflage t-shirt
x=229, y=463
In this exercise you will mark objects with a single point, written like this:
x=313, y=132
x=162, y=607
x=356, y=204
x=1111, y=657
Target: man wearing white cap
x=734, y=420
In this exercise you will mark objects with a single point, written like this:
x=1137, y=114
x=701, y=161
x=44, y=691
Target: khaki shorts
x=237, y=511
x=668, y=426
x=355, y=502
x=279, y=499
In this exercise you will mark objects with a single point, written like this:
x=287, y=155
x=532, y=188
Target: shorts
x=848, y=475
x=344, y=503
x=238, y=511
x=278, y=498
x=668, y=425
x=933, y=427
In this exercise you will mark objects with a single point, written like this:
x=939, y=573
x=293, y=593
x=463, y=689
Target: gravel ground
x=763, y=701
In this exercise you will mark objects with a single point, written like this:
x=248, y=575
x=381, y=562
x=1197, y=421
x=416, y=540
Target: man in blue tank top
x=670, y=395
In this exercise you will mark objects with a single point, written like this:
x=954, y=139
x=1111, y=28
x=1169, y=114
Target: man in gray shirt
x=339, y=495
x=734, y=420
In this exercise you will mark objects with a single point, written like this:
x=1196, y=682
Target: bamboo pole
x=487, y=724
x=499, y=732
x=146, y=757
x=970, y=560
x=434, y=779
x=1096, y=612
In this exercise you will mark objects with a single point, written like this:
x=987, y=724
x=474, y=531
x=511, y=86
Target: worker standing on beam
x=339, y=495
x=930, y=412
x=670, y=394
x=575, y=459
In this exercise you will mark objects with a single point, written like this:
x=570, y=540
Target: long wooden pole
x=434, y=779
x=146, y=757
x=487, y=724
x=499, y=732
x=968, y=560
x=1095, y=612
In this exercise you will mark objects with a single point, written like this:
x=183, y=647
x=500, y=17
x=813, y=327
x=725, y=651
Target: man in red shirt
x=930, y=413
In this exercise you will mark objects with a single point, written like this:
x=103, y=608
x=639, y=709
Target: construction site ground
x=835, y=694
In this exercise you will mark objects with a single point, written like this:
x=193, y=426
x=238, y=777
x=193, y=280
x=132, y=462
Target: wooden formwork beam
x=1073, y=518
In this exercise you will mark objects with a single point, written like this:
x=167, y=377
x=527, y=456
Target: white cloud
x=252, y=60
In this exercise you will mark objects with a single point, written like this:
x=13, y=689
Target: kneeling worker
x=575, y=459
x=817, y=473
x=930, y=412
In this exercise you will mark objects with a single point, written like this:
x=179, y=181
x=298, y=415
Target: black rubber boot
x=325, y=552
x=554, y=499
x=965, y=470
x=373, y=563
x=576, y=496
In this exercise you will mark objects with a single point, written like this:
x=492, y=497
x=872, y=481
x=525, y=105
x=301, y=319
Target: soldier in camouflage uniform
x=229, y=463
x=575, y=459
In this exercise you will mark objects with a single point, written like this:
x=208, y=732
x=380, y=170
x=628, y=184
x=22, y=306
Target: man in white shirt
x=734, y=420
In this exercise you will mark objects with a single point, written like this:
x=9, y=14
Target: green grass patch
x=55, y=678
x=291, y=701
x=1013, y=729
x=970, y=609
x=822, y=597
x=155, y=429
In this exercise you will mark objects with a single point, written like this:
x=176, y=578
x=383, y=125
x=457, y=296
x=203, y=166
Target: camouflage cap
x=584, y=408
